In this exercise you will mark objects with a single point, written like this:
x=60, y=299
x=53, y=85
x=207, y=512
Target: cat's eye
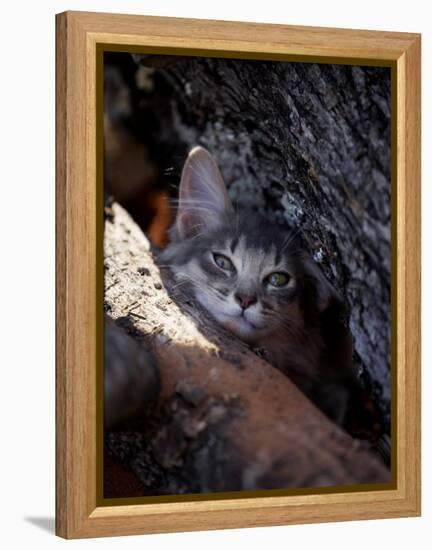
x=223, y=262
x=278, y=279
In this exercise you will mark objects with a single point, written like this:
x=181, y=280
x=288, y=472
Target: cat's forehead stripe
x=277, y=255
x=250, y=260
x=233, y=244
x=254, y=257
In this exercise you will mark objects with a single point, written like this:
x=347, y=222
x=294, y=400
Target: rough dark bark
x=224, y=420
x=307, y=144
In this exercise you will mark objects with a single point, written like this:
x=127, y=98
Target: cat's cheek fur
x=192, y=272
x=214, y=305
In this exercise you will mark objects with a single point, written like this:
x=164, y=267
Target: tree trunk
x=224, y=419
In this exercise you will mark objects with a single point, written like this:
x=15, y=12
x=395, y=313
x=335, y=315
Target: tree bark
x=224, y=419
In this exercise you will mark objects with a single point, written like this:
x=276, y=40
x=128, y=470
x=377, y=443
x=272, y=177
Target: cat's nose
x=245, y=300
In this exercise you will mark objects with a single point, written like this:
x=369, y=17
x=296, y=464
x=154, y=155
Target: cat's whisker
x=190, y=201
x=179, y=284
x=189, y=280
x=191, y=208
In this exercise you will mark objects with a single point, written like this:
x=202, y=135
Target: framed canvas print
x=238, y=274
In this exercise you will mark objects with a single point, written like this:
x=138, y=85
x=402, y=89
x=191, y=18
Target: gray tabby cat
x=255, y=280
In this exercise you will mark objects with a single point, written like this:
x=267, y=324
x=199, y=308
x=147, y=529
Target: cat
x=256, y=281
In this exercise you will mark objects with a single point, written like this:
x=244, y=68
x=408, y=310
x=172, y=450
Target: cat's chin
x=242, y=328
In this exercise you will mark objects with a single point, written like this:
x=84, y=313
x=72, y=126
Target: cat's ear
x=203, y=198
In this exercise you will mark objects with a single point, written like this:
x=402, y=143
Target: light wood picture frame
x=80, y=41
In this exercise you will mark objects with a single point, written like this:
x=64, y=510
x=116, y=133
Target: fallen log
x=225, y=419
